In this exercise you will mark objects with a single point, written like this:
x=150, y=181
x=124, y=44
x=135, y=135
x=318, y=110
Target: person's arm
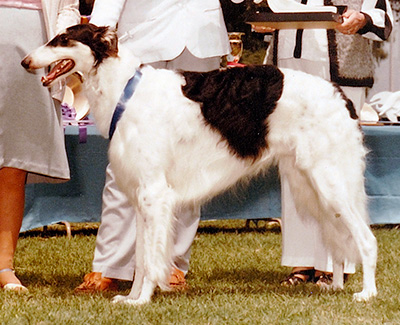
x=107, y=12
x=68, y=14
x=375, y=20
x=353, y=21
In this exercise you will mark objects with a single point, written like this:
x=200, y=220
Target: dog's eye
x=63, y=40
x=60, y=40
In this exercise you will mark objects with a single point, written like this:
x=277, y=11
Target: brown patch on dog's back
x=237, y=102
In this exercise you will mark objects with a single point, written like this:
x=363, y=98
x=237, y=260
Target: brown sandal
x=294, y=279
x=324, y=280
x=94, y=282
x=177, y=281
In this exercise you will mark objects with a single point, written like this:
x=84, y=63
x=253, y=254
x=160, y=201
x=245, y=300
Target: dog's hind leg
x=367, y=246
x=338, y=201
x=343, y=200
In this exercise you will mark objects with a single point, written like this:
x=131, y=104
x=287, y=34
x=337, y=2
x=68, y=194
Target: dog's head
x=78, y=48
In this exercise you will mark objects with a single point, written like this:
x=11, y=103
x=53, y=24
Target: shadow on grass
x=242, y=230
x=252, y=281
x=61, y=285
x=243, y=282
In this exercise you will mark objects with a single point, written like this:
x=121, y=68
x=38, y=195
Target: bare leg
x=12, y=200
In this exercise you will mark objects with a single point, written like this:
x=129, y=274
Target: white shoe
x=15, y=287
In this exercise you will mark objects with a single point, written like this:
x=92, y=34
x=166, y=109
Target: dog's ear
x=104, y=43
x=110, y=36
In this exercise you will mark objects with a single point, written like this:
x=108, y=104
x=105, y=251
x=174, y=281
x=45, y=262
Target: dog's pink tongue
x=59, y=69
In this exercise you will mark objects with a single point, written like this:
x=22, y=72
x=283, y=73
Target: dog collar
x=126, y=95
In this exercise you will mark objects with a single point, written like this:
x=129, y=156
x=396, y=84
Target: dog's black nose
x=26, y=62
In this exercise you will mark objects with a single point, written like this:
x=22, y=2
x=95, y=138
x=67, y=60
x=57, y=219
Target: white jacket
x=59, y=15
x=159, y=30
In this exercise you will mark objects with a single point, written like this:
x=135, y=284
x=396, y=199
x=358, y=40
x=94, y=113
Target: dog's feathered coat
x=185, y=137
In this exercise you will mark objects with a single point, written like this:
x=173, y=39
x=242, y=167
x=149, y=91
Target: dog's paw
x=129, y=301
x=325, y=287
x=365, y=295
x=337, y=287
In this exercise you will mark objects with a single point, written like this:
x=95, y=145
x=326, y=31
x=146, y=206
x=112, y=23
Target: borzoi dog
x=184, y=137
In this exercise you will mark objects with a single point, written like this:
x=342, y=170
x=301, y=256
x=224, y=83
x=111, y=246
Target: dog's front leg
x=142, y=288
x=146, y=291
x=338, y=276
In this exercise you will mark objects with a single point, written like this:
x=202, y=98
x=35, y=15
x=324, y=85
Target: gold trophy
x=235, y=39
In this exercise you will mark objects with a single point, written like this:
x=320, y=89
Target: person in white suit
x=169, y=34
x=344, y=56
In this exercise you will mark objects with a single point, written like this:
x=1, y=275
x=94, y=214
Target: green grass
x=234, y=279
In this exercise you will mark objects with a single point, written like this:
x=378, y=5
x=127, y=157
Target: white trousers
x=302, y=243
x=114, y=254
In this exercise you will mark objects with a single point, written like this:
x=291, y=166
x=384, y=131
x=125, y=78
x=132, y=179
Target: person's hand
x=353, y=21
x=262, y=29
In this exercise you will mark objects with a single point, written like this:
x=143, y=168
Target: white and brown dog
x=184, y=137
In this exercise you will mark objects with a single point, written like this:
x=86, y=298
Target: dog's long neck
x=105, y=84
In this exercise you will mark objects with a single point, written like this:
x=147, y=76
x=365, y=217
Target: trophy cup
x=235, y=39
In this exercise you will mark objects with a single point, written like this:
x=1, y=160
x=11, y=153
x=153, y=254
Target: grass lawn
x=234, y=279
